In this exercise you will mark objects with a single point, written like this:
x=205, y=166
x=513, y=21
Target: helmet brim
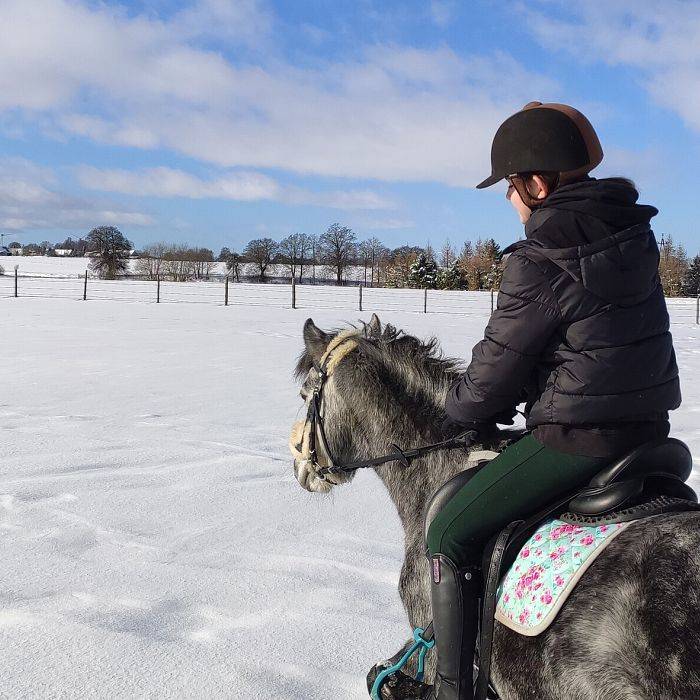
x=490, y=180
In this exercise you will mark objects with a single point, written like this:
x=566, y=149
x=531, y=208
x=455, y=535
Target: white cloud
x=659, y=38
x=30, y=198
x=237, y=186
x=392, y=114
x=167, y=182
x=244, y=21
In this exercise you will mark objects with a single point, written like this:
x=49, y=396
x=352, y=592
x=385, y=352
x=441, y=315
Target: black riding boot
x=455, y=618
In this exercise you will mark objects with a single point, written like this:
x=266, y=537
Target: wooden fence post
x=425, y=301
x=85, y=287
x=16, y=268
x=158, y=290
x=360, y=297
x=294, y=293
x=226, y=292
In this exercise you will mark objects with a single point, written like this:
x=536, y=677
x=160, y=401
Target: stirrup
x=420, y=645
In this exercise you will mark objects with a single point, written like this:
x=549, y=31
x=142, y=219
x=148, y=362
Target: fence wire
x=300, y=296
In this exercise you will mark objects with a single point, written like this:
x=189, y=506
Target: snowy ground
x=154, y=541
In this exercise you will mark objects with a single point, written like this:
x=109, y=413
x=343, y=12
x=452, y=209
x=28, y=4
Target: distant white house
x=15, y=248
x=63, y=252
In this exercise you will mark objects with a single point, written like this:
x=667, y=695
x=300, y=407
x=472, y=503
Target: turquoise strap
x=420, y=645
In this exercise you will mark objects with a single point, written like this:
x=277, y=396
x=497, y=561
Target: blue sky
x=216, y=121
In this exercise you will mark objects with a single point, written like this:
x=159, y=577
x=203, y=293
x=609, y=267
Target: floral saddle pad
x=546, y=570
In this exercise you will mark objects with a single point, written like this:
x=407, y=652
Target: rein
x=317, y=433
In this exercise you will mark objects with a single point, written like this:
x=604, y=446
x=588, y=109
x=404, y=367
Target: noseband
x=318, y=442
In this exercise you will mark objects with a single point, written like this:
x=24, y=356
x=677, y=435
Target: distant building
x=4, y=250
x=63, y=252
x=15, y=248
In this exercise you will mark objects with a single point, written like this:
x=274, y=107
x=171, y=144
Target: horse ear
x=315, y=340
x=375, y=325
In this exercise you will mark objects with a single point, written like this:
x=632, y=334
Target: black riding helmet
x=544, y=138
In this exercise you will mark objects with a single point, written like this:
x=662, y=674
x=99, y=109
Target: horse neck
x=410, y=488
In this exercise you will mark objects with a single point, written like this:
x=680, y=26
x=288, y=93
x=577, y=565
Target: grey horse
x=630, y=629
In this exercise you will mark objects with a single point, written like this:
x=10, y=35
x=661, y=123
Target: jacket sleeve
x=526, y=316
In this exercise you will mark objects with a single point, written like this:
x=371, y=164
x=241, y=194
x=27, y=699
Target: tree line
x=473, y=266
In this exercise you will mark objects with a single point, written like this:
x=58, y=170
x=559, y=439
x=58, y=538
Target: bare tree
x=338, y=248
x=314, y=250
x=306, y=242
x=364, y=257
x=261, y=251
x=113, y=248
x=447, y=254
x=176, y=263
x=233, y=265
x=292, y=250
x=150, y=265
x=372, y=253
x=203, y=263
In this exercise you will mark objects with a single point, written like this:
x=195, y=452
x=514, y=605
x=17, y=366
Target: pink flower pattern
x=544, y=568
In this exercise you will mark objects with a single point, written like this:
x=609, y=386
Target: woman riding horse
x=580, y=333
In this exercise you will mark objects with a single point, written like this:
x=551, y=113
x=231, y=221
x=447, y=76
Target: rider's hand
x=451, y=428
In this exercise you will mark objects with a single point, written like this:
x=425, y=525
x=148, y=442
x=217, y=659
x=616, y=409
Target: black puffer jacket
x=581, y=331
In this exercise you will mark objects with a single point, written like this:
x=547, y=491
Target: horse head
x=374, y=385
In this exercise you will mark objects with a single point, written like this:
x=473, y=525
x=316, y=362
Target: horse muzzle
x=308, y=477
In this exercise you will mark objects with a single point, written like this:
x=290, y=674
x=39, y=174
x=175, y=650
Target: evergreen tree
x=423, y=273
x=493, y=277
x=450, y=277
x=691, y=279
x=398, y=268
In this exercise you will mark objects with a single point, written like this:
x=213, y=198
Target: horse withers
x=631, y=626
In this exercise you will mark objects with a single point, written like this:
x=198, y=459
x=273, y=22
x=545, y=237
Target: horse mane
x=408, y=358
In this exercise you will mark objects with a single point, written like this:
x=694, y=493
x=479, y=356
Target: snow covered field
x=154, y=541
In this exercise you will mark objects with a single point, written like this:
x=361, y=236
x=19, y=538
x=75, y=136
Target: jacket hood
x=587, y=211
x=596, y=232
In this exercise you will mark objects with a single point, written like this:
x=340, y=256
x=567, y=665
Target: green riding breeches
x=518, y=483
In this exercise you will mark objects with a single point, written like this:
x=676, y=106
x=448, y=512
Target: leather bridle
x=318, y=440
